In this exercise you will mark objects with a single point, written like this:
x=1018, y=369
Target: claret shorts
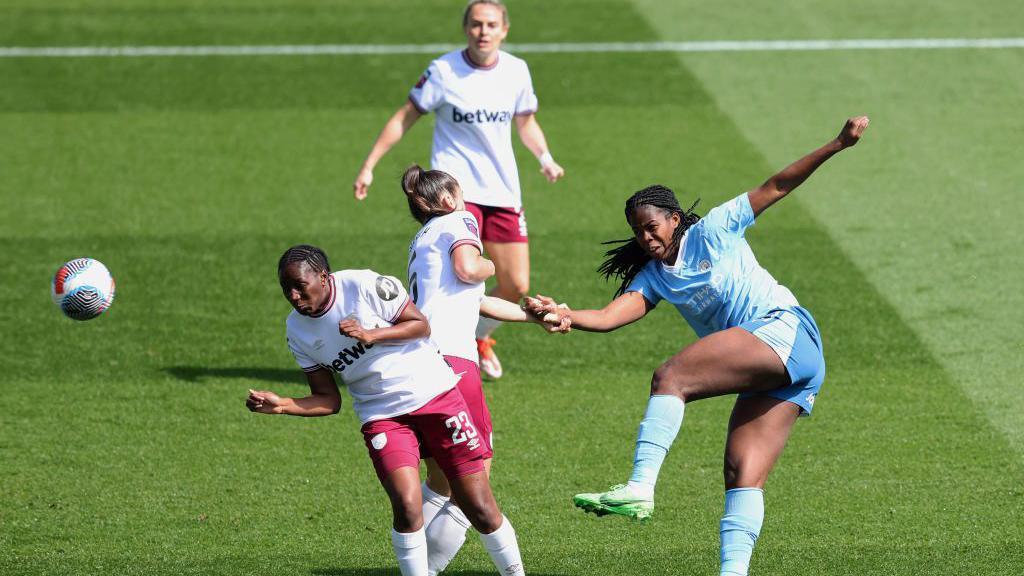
x=499, y=224
x=442, y=426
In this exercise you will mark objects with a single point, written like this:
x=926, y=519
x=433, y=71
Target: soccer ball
x=82, y=288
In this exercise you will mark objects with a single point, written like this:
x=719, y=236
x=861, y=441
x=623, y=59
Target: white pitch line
x=568, y=47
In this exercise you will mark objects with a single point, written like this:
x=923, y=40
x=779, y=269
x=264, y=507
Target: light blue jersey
x=715, y=283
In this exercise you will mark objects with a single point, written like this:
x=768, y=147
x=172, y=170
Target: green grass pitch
x=125, y=447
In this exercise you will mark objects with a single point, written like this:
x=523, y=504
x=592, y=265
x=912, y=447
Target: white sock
x=411, y=551
x=504, y=549
x=432, y=503
x=485, y=326
x=445, y=536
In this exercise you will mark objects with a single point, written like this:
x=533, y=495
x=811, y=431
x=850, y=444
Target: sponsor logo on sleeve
x=386, y=288
x=471, y=225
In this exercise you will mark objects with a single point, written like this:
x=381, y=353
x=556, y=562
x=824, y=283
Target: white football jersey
x=473, y=132
x=451, y=305
x=384, y=379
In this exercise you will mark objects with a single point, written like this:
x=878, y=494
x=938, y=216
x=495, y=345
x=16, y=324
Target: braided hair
x=310, y=255
x=626, y=260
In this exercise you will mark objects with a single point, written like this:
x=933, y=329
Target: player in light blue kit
x=755, y=340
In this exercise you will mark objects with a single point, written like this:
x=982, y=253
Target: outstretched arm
x=776, y=187
x=506, y=311
x=393, y=131
x=323, y=400
x=625, y=309
x=533, y=138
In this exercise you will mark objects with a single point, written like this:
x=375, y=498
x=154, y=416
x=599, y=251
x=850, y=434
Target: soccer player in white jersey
x=446, y=278
x=755, y=340
x=477, y=94
x=362, y=327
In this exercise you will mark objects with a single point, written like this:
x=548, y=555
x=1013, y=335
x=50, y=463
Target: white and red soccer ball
x=83, y=289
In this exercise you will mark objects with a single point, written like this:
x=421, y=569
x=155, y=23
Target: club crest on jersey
x=423, y=79
x=471, y=224
x=704, y=265
x=386, y=288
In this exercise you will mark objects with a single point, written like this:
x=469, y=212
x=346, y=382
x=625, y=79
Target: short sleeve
x=462, y=230
x=642, y=283
x=301, y=358
x=730, y=219
x=526, y=99
x=385, y=295
x=428, y=93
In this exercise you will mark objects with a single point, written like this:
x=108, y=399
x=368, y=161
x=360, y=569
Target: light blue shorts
x=794, y=336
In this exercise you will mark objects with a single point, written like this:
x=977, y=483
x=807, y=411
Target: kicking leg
x=725, y=362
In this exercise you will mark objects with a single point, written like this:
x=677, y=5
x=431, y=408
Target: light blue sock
x=744, y=513
x=658, y=430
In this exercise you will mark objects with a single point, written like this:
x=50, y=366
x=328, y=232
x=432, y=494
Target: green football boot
x=618, y=500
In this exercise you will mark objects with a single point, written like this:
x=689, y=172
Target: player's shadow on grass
x=393, y=571
x=199, y=375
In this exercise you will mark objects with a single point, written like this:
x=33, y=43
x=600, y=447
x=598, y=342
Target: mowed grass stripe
x=944, y=261
x=879, y=369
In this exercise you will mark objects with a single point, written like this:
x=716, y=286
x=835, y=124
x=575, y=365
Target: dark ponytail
x=626, y=260
x=424, y=190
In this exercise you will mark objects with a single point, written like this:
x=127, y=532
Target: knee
x=736, y=475
x=668, y=380
x=520, y=289
x=407, y=512
x=731, y=472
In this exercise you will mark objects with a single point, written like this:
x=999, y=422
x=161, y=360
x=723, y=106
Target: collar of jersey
x=330, y=299
x=475, y=66
x=678, y=265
